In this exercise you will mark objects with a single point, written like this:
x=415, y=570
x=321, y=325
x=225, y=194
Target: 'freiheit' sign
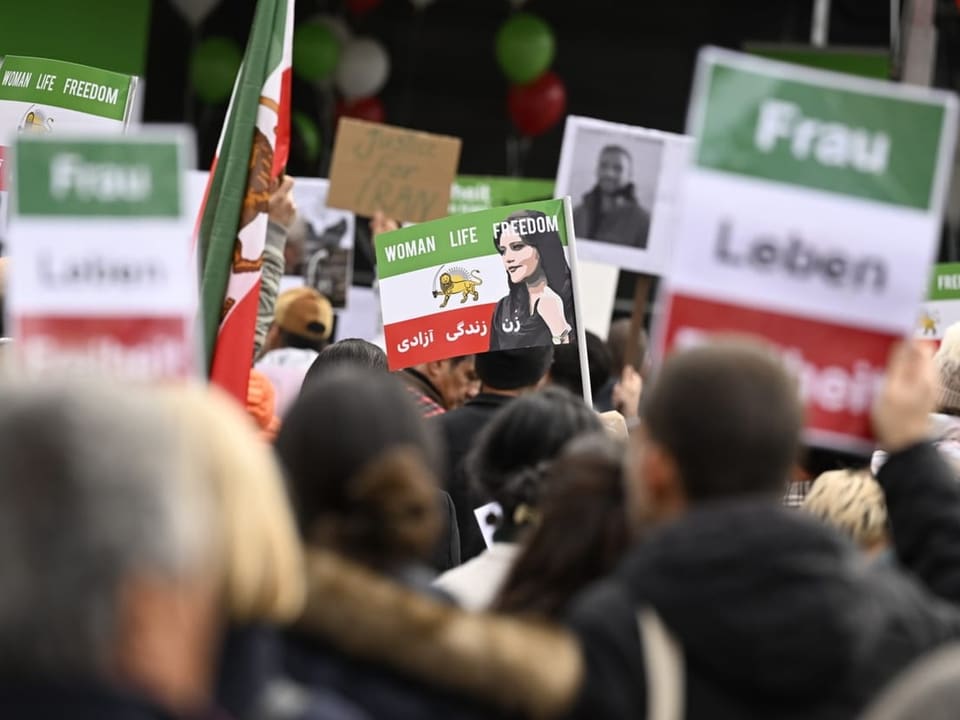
x=811, y=214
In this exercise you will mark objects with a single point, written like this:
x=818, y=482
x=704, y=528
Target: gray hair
x=97, y=485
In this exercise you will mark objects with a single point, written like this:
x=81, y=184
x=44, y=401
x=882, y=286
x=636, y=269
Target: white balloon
x=195, y=11
x=363, y=69
x=338, y=26
x=421, y=4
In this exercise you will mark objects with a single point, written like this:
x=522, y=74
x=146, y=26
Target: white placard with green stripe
x=812, y=211
x=942, y=307
x=101, y=240
x=41, y=96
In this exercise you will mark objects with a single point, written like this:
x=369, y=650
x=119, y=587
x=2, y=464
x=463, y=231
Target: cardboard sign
x=625, y=184
x=942, y=307
x=41, y=97
x=101, y=241
x=463, y=284
x=473, y=193
x=811, y=215
x=405, y=173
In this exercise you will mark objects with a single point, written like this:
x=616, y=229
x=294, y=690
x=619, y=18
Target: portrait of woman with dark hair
x=538, y=309
x=610, y=212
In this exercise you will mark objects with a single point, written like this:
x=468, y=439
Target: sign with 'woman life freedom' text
x=491, y=280
x=811, y=214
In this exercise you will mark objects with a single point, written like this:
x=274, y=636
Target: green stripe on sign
x=858, y=144
x=111, y=178
x=461, y=237
x=64, y=85
x=945, y=283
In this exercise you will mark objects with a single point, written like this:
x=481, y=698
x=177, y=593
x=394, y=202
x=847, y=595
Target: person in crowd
x=361, y=466
x=610, y=212
x=442, y=385
x=350, y=352
x=621, y=391
x=109, y=560
x=538, y=308
x=365, y=355
x=264, y=585
x=3, y=289
x=510, y=464
x=791, y=604
x=852, y=502
x=262, y=405
x=566, y=371
x=928, y=689
x=582, y=533
x=302, y=327
x=504, y=375
x=282, y=211
x=945, y=422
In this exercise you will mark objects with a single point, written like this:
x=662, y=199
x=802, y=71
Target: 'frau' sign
x=105, y=281
x=116, y=178
x=810, y=219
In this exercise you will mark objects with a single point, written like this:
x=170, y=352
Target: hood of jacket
x=763, y=599
x=517, y=665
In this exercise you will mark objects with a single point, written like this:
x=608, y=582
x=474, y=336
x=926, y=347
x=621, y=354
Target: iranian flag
x=251, y=155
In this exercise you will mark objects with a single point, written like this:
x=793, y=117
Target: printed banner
x=491, y=280
x=39, y=96
x=101, y=242
x=406, y=174
x=473, y=193
x=625, y=185
x=811, y=214
x=942, y=307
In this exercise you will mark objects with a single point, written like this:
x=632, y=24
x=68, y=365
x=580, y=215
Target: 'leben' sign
x=403, y=173
x=100, y=236
x=812, y=210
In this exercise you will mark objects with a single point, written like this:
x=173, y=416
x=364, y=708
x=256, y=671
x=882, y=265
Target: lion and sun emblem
x=457, y=281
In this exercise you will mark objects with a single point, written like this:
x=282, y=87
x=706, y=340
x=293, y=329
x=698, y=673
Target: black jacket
x=459, y=429
x=25, y=700
x=778, y=616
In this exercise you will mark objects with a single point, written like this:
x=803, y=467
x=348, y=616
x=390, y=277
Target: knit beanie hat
x=514, y=369
x=947, y=361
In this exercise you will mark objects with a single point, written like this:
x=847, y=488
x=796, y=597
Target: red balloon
x=538, y=106
x=370, y=109
x=362, y=7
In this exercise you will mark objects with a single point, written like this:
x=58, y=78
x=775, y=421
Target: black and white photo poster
x=624, y=183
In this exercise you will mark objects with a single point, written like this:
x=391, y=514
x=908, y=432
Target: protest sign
x=405, y=173
x=473, y=193
x=39, y=96
x=101, y=241
x=492, y=280
x=942, y=307
x=326, y=257
x=811, y=215
x=625, y=185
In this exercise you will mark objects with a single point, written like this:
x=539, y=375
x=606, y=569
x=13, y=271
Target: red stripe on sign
x=437, y=337
x=3, y=168
x=839, y=367
x=144, y=348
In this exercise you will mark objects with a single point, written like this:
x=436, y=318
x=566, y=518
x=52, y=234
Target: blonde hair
x=852, y=502
x=263, y=557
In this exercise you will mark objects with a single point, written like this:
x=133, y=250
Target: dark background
x=628, y=61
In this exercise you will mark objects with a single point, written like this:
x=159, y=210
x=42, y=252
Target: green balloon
x=525, y=48
x=306, y=129
x=316, y=51
x=214, y=68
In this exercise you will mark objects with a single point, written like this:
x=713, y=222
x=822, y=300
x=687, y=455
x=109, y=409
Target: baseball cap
x=305, y=312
